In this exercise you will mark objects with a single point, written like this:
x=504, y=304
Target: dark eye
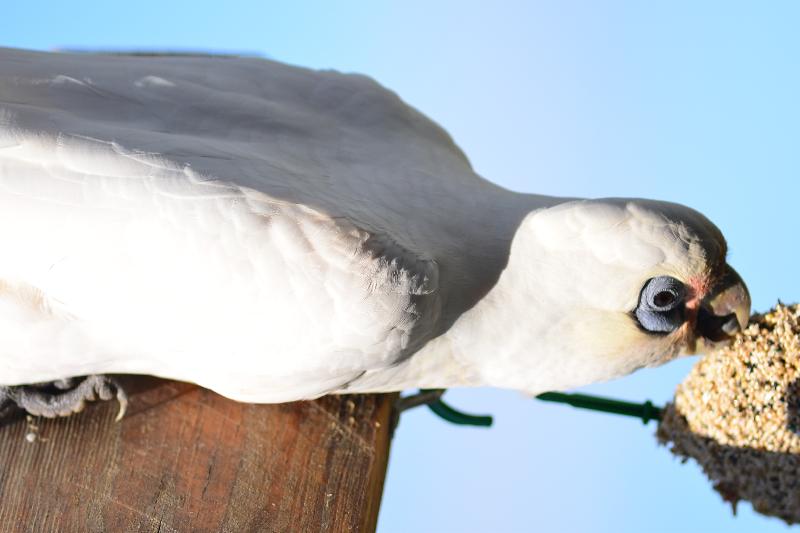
x=661, y=305
x=664, y=299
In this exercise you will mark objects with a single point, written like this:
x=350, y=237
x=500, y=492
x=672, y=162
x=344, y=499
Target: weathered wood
x=186, y=459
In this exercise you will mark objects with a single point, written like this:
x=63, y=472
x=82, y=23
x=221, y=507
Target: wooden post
x=186, y=459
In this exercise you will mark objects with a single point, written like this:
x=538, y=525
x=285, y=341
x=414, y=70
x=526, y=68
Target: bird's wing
x=153, y=221
x=339, y=143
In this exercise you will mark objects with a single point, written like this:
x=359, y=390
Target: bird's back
x=162, y=214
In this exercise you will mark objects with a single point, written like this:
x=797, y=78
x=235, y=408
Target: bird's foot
x=6, y=403
x=62, y=397
x=404, y=403
x=423, y=397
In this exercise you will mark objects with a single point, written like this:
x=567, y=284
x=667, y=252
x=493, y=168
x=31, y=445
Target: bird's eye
x=664, y=299
x=661, y=305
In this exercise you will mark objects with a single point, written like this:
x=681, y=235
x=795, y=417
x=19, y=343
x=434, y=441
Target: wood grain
x=186, y=459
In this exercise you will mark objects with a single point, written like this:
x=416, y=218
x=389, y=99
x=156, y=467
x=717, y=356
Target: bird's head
x=613, y=285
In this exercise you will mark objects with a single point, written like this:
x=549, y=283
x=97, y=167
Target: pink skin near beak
x=716, y=310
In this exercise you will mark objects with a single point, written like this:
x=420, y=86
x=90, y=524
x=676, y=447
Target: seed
x=737, y=414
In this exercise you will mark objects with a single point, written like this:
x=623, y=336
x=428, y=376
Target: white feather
x=275, y=233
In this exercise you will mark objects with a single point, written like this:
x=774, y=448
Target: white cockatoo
x=276, y=233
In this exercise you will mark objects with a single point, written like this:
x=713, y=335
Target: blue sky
x=682, y=101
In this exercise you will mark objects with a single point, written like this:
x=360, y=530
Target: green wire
x=644, y=411
x=457, y=417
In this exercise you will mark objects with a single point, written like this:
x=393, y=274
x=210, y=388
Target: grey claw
x=39, y=402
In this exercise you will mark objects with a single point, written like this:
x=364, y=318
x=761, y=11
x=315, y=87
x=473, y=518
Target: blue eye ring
x=661, y=307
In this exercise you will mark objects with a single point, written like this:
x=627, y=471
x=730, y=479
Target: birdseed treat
x=738, y=415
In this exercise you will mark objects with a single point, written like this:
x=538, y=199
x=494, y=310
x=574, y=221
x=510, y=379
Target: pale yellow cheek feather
x=620, y=347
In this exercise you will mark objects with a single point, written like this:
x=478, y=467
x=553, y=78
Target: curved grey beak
x=726, y=309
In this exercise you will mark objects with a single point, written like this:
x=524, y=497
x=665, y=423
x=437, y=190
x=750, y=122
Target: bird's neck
x=481, y=246
x=487, y=323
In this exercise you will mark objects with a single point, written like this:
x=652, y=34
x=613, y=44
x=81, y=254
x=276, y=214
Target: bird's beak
x=725, y=310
